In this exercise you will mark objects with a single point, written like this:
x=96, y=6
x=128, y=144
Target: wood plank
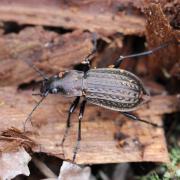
x=141, y=142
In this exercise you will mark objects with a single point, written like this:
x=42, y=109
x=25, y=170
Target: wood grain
x=48, y=50
x=137, y=141
x=158, y=32
x=98, y=16
x=107, y=136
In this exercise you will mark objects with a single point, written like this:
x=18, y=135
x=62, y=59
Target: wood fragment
x=107, y=136
x=159, y=32
x=14, y=163
x=142, y=142
x=47, y=50
x=98, y=16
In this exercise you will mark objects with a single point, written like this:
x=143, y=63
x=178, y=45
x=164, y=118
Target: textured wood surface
x=107, y=136
x=47, y=50
x=160, y=31
x=136, y=141
x=98, y=16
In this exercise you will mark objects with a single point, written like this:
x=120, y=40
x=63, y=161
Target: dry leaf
x=14, y=163
x=71, y=171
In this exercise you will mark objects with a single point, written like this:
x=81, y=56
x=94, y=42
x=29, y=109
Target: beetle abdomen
x=114, y=89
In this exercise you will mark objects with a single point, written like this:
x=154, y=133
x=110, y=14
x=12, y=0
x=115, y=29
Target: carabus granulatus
x=111, y=88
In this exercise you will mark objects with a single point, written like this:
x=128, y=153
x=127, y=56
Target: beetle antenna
x=88, y=58
x=42, y=74
x=35, y=107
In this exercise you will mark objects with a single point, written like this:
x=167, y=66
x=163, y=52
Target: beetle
x=111, y=88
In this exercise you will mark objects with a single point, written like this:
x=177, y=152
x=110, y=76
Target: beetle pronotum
x=111, y=88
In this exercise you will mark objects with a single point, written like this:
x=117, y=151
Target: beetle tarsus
x=75, y=151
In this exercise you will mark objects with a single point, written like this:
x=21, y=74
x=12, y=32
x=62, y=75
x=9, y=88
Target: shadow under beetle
x=111, y=88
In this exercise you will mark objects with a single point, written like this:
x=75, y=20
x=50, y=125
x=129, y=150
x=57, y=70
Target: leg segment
x=71, y=110
x=133, y=117
x=87, y=60
x=81, y=113
x=146, y=53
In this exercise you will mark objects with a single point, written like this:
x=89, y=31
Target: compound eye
x=54, y=91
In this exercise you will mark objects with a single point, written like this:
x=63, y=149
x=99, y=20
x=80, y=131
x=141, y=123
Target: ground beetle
x=111, y=88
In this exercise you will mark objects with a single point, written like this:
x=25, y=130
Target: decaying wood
x=135, y=141
x=1, y=28
x=49, y=51
x=158, y=32
x=99, y=16
x=107, y=136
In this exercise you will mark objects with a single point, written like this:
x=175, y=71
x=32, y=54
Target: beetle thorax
x=69, y=84
x=72, y=83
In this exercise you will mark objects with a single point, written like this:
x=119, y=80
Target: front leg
x=81, y=113
x=71, y=110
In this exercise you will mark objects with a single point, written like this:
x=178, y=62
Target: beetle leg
x=81, y=113
x=87, y=60
x=71, y=110
x=145, y=53
x=133, y=117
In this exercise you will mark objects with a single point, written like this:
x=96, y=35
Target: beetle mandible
x=111, y=88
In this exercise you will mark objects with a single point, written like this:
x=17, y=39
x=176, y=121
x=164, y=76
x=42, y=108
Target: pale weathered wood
x=107, y=136
x=98, y=16
x=48, y=50
x=141, y=142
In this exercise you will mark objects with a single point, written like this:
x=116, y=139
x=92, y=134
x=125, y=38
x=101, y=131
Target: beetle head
x=50, y=85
